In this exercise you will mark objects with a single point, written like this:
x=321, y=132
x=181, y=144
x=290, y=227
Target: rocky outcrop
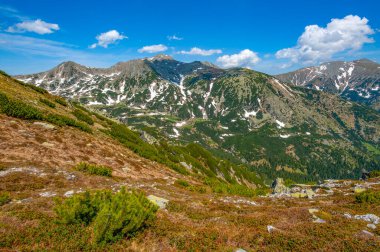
x=147, y=138
x=278, y=187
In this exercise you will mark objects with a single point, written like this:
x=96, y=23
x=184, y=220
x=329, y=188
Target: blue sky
x=269, y=36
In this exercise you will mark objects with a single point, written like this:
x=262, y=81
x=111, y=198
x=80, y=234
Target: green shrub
x=94, y=169
x=22, y=110
x=112, y=216
x=182, y=182
x=80, y=115
x=103, y=118
x=19, y=109
x=368, y=197
x=81, y=208
x=35, y=88
x=47, y=102
x=61, y=101
x=4, y=198
x=61, y=120
x=5, y=74
x=233, y=189
x=374, y=174
x=123, y=216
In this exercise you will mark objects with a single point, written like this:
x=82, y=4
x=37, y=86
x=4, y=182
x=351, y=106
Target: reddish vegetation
x=23, y=143
x=192, y=221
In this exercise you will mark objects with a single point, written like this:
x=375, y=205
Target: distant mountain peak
x=161, y=57
x=70, y=64
x=365, y=60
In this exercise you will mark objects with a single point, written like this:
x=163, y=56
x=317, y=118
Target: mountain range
x=357, y=80
x=277, y=125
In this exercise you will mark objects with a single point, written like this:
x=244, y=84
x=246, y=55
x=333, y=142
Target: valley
x=239, y=114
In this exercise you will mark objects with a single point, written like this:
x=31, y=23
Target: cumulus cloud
x=202, y=52
x=245, y=58
x=153, y=48
x=321, y=43
x=108, y=38
x=174, y=37
x=37, y=26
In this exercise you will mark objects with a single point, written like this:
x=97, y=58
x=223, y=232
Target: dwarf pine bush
x=111, y=216
x=47, y=102
x=81, y=208
x=368, y=197
x=83, y=117
x=18, y=109
x=374, y=174
x=123, y=216
x=61, y=101
x=4, y=198
x=61, y=120
x=35, y=88
x=94, y=169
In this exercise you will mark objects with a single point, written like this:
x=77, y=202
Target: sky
x=268, y=36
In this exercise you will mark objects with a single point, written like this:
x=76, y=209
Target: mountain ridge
x=357, y=80
x=239, y=113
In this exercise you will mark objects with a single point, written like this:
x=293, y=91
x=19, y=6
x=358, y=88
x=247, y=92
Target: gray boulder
x=160, y=202
x=278, y=186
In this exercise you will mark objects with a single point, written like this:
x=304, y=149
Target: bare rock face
x=278, y=186
x=147, y=138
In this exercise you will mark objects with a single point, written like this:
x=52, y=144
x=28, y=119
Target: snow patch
x=250, y=113
x=280, y=124
x=180, y=124
x=285, y=87
x=152, y=91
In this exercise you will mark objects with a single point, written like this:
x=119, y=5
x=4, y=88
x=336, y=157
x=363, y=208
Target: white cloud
x=108, y=38
x=321, y=43
x=153, y=48
x=37, y=26
x=174, y=37
x=202, y=52
x=34, y=46
x=47, y=53
x=245, y=58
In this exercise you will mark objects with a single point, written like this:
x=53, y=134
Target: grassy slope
x=46, y=107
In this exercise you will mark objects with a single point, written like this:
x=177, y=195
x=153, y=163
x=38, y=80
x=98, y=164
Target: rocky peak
x=160, y=57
